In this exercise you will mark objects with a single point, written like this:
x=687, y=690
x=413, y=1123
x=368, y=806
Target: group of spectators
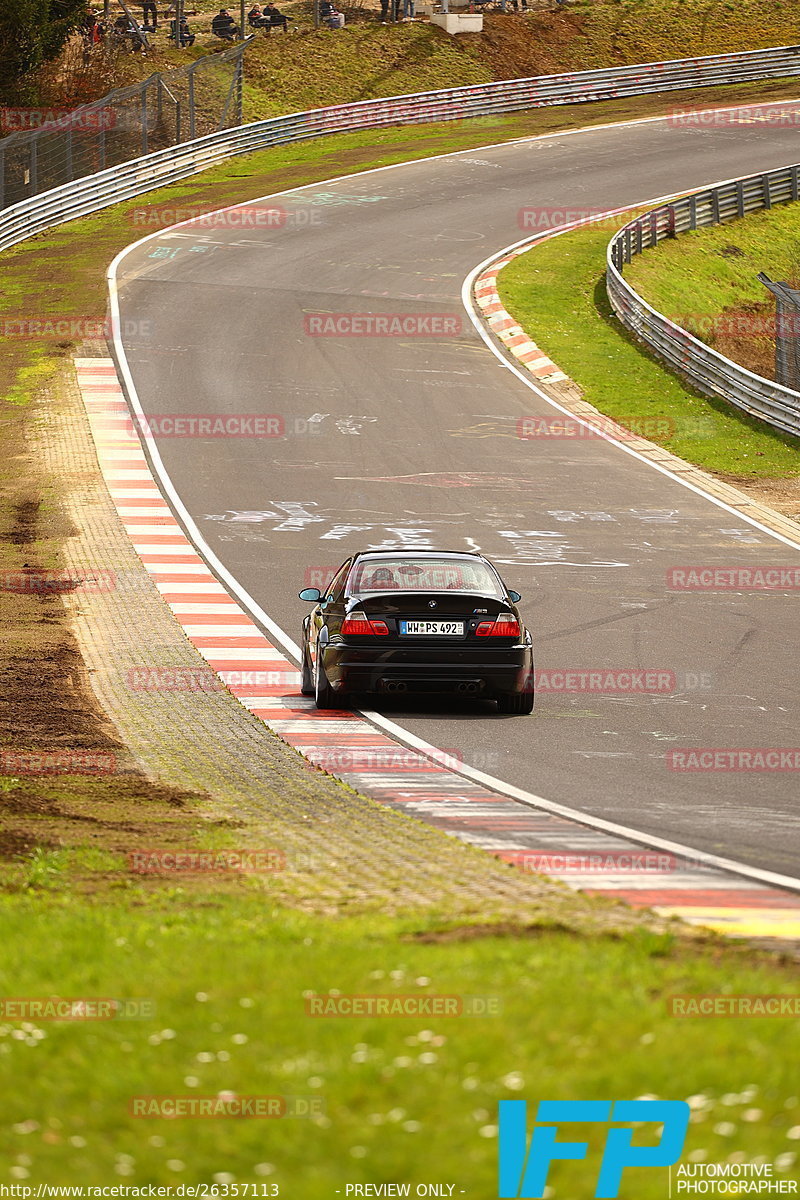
x=95, y=30
x=223, y=25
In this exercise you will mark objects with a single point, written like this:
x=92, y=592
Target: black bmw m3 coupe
x=418, y=622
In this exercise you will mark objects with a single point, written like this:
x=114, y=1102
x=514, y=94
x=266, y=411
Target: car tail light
x=360, y=624
x=505, y=625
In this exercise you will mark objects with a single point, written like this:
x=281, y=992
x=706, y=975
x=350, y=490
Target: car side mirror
x=311, y=594
x=514, y=597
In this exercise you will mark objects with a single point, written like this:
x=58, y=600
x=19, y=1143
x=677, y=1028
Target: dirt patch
x=470, y=933
x=518, y=47
x=781, y=494
x=750, y=348
x=45, y=698
x=94, y=828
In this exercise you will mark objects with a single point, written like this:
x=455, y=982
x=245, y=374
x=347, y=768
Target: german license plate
x=433, y=628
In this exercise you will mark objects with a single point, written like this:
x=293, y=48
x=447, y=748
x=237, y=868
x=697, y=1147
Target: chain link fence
x=164, y=110
x=787, y=331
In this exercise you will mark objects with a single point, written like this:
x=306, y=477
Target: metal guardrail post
x=240, y=81
x=739, y=198
x=143, y=114
x=192, y=129
x=787, y=329
x=33, y=176
x=231, y=91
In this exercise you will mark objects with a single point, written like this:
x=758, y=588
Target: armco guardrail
x=140, y=175
x=709, y=372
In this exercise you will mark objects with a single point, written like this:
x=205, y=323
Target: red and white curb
x=503, y=325
x=350, y=747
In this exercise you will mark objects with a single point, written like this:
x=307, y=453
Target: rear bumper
x=492, y=672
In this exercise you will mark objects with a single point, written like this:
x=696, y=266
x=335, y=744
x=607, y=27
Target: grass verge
x=557, y=293
x=707, y=282
x=404, y=1098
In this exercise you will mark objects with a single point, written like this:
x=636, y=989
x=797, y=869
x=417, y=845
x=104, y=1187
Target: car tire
x=306, y=678
x=324, y=695
x=518, y=704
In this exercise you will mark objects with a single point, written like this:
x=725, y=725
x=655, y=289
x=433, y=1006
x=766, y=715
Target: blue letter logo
x=524, y=1170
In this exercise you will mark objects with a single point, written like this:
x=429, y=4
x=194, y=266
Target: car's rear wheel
x=324, y=695
x=517, y=704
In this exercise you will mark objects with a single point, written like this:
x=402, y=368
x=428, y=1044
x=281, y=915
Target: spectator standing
x=408, y=10
x=149, y=10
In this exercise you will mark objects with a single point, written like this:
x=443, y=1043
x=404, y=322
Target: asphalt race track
x=412, y=441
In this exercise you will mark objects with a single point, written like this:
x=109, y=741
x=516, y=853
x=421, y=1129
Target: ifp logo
x=524, y=1169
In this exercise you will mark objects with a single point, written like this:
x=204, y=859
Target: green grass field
x=405, y=1099
x=713, y=270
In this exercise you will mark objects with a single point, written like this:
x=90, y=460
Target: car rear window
x=424, y=575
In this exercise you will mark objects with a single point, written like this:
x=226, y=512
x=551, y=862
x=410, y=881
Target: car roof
x=411, y=553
